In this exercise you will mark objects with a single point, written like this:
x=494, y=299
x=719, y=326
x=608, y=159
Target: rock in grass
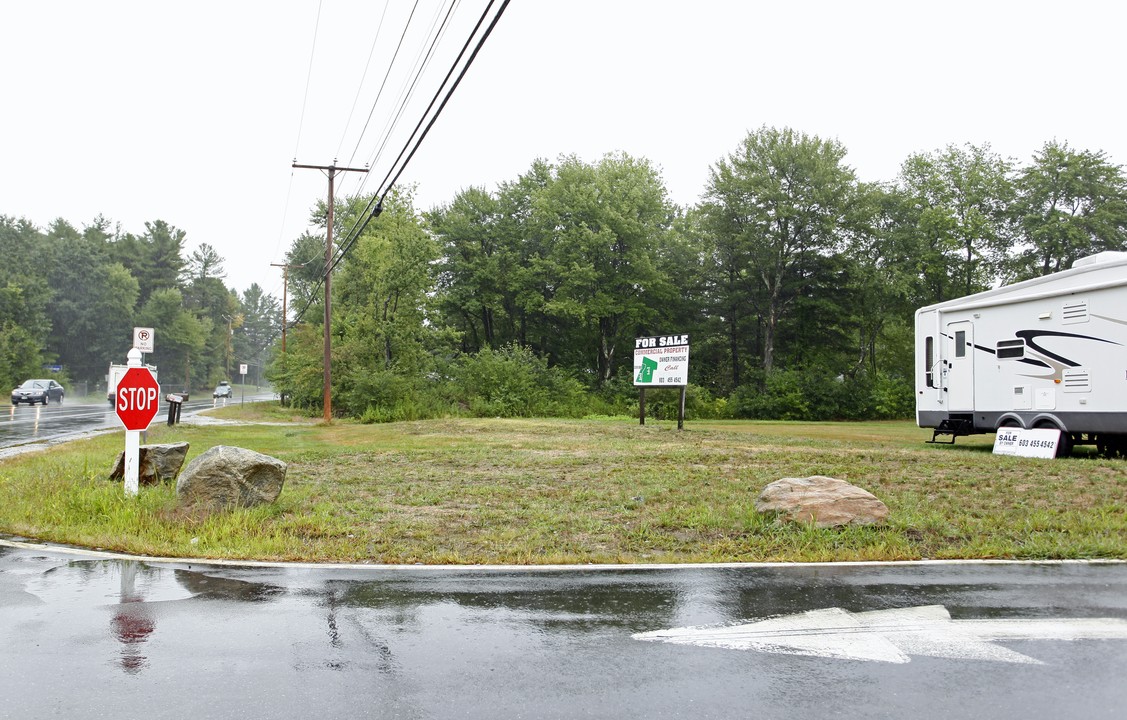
x=155, y=463
x=226, y=477
x=824, y=501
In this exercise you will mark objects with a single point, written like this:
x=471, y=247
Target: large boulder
x=226, y=477
x=824, y=501
x=155, y=463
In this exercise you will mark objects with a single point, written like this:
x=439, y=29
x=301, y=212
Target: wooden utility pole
x=285, y=288
x=332, y=170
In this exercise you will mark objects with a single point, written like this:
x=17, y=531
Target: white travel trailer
x=1045, y=353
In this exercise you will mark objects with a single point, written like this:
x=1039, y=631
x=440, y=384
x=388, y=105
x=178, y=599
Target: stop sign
x=137, y=398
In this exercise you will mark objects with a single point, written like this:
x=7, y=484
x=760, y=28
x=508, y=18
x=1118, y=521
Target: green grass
x=577, y=491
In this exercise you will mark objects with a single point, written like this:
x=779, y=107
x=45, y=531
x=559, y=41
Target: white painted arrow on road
x=891, y=635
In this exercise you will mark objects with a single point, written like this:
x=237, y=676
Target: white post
x=132, y=442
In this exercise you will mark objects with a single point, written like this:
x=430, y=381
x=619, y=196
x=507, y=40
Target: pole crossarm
x=330, y=167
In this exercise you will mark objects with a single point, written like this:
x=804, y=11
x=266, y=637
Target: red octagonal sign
x=137, y=398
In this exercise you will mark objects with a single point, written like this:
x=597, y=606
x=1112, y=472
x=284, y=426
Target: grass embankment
x=555, y=491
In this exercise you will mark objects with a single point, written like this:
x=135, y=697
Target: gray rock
x=825, y=501
x=226, y=477
x=155, y=463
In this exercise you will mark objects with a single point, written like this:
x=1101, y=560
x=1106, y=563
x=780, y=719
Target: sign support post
x=136, y=401
x=681, y=410
x=132, y=442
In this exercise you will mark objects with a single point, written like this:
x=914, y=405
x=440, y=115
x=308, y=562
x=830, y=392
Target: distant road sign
x=137, y=398
x=143, y=339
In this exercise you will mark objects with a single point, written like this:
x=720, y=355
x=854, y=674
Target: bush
x=389, y=397
x=803, y=395
x=699, y=404
x=513, y=382
x=893, y=397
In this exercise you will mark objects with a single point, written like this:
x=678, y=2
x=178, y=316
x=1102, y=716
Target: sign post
x=243, y=387
x=136, y=402
x=661, y=361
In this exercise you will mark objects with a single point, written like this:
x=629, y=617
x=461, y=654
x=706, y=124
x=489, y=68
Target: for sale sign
x=1035, y=442
x=662, y=360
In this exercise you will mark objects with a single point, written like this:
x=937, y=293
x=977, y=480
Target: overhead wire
x=404, y=98
x=300, y=126
x=375, y=205
x=383, y=84
x=410, y=82
x=387, y=185
x=308, y=78
x=382, y=190
x=363, y=76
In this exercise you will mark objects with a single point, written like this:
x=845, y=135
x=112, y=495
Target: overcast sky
x=192, y=112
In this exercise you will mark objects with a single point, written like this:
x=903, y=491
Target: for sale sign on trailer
x=662, y=360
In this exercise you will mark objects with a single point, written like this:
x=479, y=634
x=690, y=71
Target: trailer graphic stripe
x=1030, y=335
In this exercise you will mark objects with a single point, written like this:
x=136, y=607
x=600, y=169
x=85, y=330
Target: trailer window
x=929, y=360
x=961, y=343
x=1011, y=349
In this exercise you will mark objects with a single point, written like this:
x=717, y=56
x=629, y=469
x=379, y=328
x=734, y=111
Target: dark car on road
x=223, y=390
x=38, y=391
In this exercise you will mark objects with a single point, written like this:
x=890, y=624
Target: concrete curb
x=219, y=562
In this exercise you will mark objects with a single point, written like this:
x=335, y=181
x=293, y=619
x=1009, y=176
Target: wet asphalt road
x=25, y=425
x=110, y=638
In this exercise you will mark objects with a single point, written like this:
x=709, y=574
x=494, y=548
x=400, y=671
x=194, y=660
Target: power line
x=422, y=62
x=372, y=211
x=449, y=93
x=383, y=84
x=308, y=77
x=375, y=205
x=363, y=76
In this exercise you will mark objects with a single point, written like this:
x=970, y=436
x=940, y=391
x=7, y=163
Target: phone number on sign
x=1035, y=443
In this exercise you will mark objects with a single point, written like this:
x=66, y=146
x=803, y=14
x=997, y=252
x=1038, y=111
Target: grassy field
x=577, y=491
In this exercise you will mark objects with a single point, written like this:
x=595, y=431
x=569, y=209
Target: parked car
x=38, y=391
x=223, y=390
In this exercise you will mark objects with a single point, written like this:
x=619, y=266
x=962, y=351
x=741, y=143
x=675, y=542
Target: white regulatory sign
x=243, y=369
x=143, y=339
x=1036, y=442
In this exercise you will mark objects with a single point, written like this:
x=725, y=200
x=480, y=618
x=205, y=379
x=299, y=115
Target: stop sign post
x=136, y=403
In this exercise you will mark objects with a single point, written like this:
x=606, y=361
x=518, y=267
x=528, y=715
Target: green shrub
x=513, y=382
x=699, y=404
x=803, y=395
x=893, y=397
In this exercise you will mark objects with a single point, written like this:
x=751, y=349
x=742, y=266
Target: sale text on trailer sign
x=661, y=360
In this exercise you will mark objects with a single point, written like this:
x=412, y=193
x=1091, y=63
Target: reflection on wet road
x=128, y=639
x=23, y=424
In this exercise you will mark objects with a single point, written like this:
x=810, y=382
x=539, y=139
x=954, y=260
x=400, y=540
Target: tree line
x=795, y=280
x=69, y=300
